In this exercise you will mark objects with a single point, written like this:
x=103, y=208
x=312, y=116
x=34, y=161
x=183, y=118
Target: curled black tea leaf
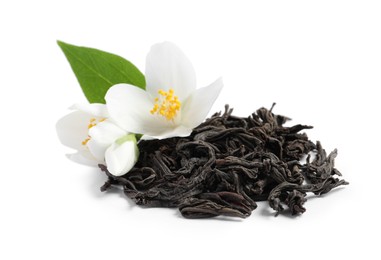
x=227, y=164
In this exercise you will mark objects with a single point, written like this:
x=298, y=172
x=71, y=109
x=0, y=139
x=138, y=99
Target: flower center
x=93, y=122
x=166, y=105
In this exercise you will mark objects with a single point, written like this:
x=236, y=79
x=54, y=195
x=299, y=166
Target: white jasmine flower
x=97, y=139
x=171, y=105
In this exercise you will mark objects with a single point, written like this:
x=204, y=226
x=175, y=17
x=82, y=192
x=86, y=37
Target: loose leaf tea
x=227, y=164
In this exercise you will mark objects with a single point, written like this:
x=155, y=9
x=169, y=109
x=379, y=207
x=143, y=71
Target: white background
x=319, y=60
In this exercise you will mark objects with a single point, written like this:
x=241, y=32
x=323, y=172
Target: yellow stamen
x=93, y=122
x=84, y=142
x=166, y=105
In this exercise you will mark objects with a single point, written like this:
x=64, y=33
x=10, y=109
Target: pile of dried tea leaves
x=227, y=164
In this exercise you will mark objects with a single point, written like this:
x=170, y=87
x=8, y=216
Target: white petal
x=147, y=137
x=197, y=106
x=106, y=132
x=102, y=136
x=180, y=131
x=120, y=158
x=97, y=149
x=168, y=67
x=72, y=129
x=95, y=109
x=84, y=157
x=130, y=107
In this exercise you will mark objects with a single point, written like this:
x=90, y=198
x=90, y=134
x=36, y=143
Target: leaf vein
x=89, y=67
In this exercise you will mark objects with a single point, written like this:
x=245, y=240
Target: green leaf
x=97, y=70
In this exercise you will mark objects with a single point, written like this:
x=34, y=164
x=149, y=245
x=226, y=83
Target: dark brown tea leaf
x=227, y=164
